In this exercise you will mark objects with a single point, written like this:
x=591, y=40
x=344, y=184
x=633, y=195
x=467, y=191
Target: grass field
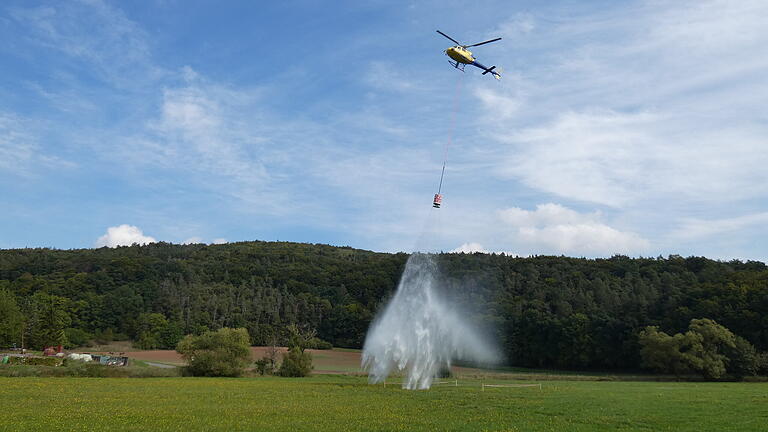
x=335, y=402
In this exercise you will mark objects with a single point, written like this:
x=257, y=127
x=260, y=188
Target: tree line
x=543, y=311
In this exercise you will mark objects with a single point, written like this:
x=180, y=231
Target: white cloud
x=192, y=240
x=545, y=215
x=219, y=241
x=700, y=228
x=214, y=136
x=503, y=106
x=16, y=146
x=470, y=248
x=473, y=247
x=123, y=235
x=387, y=76
x=115, y=47
x=217, y=126
x=512, y=28
x=661, y=103
x=554, y=228
x=20, y=151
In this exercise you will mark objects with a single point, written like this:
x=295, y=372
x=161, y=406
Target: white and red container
x=437, y=201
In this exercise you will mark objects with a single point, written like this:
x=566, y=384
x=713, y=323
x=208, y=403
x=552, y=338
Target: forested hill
x=545, y=311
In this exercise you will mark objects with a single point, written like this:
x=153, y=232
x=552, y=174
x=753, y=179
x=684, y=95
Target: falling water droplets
x=418, y=333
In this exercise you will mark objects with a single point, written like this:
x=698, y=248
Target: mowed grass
x=348, y=403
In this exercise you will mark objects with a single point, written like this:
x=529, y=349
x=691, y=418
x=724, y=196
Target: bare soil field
x=325, y=361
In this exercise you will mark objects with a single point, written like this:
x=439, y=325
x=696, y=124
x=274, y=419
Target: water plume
x=417, y=333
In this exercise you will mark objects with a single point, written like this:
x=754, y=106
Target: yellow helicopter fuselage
x=460, y=54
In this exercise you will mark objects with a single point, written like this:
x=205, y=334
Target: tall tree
x=48, y=318
x=10, y=319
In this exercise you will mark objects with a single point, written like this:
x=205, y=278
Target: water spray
x=417, y=333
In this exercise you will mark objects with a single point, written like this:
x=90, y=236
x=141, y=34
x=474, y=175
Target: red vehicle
x=52, y=351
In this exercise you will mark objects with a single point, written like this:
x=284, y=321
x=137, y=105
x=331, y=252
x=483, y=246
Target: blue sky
x=634, y=127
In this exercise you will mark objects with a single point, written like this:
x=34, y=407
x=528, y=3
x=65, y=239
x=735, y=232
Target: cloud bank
x=123, y=235
x=552, y=227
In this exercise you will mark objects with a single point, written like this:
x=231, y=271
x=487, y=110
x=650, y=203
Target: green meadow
x=337, y=402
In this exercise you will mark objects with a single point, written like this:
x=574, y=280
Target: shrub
x=296, y=363
x=263, y=366
x=91, y=370
x=317, y=343
x=35, y=361
x=444, y=371
x=225, y=352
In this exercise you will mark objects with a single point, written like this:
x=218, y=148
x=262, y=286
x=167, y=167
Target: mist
x=418, y=333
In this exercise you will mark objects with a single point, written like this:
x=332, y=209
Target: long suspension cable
x=452, y=127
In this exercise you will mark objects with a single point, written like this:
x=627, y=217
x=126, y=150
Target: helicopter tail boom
x=488, y=69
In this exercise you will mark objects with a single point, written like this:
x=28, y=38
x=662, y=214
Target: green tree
x=667, y=354
x=170, y=335
x=744, y=360
x=296, y=363
x=47, y=320
x=77, y=337
x=10, y=319
x=150, y=326
x=701, y=349
x=715, y=341
x=225, y=352
x=268, y=364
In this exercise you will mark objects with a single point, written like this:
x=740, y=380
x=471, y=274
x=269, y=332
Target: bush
x=317, y=343
x=90, y=370
x=296, y=363
x=225, y=352
x=263, y=366
x=444, y=371
x=35, y=361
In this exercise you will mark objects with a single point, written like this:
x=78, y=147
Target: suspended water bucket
x=437, y=201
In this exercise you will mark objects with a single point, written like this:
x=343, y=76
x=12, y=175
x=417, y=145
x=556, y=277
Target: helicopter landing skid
x=457, y=65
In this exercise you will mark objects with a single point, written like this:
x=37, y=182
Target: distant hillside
x=544, y=311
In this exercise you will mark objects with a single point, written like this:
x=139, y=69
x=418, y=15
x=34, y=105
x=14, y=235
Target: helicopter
x=462, y=56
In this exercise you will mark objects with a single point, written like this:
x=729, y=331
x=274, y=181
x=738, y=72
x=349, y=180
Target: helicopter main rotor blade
x=454, y=40
x=482, y=43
